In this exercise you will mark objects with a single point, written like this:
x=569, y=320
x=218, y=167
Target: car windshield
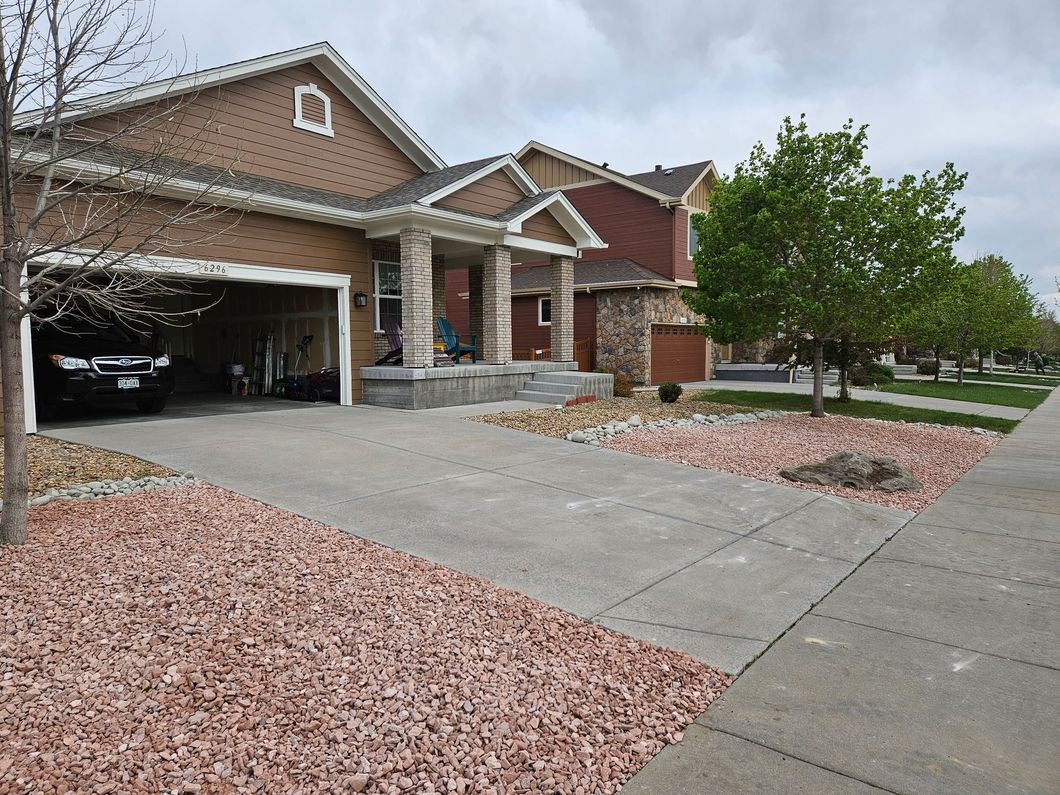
x=79, y=327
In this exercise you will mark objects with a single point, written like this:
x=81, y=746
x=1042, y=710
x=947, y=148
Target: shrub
x=971, y=364
x=623, y=387
x=871, y=373
x=670, y=392
x=926, y=367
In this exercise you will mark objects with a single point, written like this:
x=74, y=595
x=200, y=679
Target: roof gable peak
x=321, y=55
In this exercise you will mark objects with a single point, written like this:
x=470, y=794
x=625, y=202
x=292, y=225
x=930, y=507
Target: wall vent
x=312, y=110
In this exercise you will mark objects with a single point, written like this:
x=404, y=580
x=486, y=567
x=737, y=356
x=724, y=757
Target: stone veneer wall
x=623, y=327
x=390, y=251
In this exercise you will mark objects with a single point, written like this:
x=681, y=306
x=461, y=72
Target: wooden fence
x=583, y=354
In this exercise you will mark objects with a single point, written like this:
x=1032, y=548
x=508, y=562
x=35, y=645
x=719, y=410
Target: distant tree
x=979, y=305
x=805, y=240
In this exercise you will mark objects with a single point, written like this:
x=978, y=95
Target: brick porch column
x=438, y=285
x=496, y=344
x=417, y=323
x=474, y=299
x=562, y=309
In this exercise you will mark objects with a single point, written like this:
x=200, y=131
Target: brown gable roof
x=674, y=181
x=586, y=274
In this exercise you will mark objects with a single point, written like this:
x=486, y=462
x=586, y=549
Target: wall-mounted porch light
x=360, y=300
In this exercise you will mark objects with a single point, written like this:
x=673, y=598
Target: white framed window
x=544, y=311
x=312, y=110
x=386, y=291
x=693, y=239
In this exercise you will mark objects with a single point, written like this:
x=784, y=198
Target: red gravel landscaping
x=194, y=640
x=937, y=456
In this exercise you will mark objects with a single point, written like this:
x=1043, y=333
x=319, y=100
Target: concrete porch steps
x=556, y=388
x=806, y=376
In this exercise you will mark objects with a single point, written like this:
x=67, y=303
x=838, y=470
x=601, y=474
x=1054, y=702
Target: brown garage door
x=678, y=353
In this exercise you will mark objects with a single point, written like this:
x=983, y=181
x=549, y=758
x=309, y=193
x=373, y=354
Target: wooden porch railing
x=583, y=354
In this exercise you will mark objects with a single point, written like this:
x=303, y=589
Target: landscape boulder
x=858, y=471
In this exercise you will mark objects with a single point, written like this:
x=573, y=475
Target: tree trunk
x=981, y=359
x=844, y=385
x=960, y=368
x=938, y=364
x=818, y=379
x=16, y=477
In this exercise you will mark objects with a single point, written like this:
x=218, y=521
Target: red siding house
x=628, y=304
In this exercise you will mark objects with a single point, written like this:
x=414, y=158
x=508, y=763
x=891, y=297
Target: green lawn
x=976, y=393
x=786, y=401
x=1008, y=378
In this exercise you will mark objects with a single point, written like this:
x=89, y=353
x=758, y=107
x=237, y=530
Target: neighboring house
x=628, y=296
x=347, y=216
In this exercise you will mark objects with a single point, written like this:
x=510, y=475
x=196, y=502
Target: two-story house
x=628, y=301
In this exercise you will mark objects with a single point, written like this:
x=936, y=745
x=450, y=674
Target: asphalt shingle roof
x=611, y=271
x=673, y=181
x=171, y=168
x=426, y=184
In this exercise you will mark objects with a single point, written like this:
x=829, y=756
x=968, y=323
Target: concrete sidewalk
x=714, y=564
x=913, y=401
x=935, y=667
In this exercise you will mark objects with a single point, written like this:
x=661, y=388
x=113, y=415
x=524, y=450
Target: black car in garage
x=81, y=363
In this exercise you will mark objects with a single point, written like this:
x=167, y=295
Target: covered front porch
x=409, y=267
x=481, y=218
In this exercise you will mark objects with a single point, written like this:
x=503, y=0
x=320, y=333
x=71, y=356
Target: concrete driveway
x=716, y=565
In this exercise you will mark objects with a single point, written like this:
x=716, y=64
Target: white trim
x=345, y=348
x=29, y=394
x=540, y=306
x=511, y=167
x=687, y=282
x=377, y=327
x=300, y=120
x=323, y=56
x=541, y=246
x=567, y=215
x=239, y=272
x=209, y=269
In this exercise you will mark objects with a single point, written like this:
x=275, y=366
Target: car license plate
x=128, y=383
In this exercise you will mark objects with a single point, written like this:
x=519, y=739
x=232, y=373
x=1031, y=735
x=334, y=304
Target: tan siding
x=490, y=195
x=250, y=129
x=551, y=172
x=544, y=226
x=259, y=239
x=699, y=198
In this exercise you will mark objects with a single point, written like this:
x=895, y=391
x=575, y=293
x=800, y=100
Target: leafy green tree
x=980, y=305
x=805, y=240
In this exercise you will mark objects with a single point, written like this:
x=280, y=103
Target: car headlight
x=162, y=361
x=69, y=362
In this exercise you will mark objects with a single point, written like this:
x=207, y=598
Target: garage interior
x=217, y=338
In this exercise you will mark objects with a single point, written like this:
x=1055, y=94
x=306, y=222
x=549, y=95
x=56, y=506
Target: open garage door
x=241, y=319
x=678, y=353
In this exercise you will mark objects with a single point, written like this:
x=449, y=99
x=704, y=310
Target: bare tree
x=95, y=187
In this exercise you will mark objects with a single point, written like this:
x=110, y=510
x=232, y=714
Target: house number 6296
x=213, y=267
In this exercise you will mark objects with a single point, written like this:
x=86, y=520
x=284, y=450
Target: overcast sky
x=640, y=82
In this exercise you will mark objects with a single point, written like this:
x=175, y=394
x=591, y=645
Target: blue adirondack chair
x=451, y=341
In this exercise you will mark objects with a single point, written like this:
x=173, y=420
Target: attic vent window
x=312, y=110
x=669, y=172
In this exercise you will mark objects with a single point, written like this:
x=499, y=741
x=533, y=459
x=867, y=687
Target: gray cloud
x=671, y=81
